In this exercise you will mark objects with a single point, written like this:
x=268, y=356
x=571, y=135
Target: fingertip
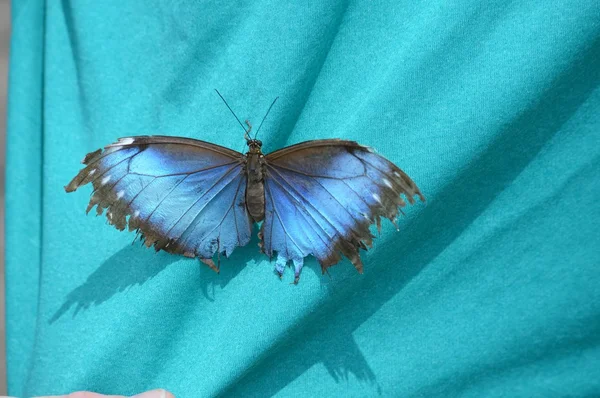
x=77, y=394
x=160, y=393
x=167, y=394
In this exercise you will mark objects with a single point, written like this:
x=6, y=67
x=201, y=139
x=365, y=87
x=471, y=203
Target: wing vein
x=228, y=210
x=141, y=190
x=186, y=172
x=114, y=185
x=357, y=194
x=307, y=203
x=197, y=200
x=363, y=161
x=237, y=231
x=169, y=140
x=286, y=234
x=309, y=175
x=166, y=196
x=305, y=215
x=112, y=167
x=105, y=153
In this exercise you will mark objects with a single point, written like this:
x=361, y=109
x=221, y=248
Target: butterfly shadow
x=135, y=265
x=130, y=266
x=245, y=256
x=326, y=336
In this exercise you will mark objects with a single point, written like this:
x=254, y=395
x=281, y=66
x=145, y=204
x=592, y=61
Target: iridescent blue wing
x=183, y=195
x=321, y=198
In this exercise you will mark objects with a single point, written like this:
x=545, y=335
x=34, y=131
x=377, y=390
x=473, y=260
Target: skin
x=86, y=394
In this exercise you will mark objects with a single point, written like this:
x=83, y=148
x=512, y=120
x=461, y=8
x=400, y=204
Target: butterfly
x=198, y=199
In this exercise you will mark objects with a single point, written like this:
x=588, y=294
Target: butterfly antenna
x=266, y=114
x=231, y=110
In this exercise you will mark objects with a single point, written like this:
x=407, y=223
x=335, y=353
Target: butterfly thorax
x=255, y=188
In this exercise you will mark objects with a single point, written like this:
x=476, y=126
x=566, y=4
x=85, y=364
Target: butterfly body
x=198, y=199
x=255, y=188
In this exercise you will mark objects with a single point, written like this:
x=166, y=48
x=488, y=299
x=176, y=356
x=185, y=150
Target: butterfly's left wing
x=184, y=196
x=321, y=198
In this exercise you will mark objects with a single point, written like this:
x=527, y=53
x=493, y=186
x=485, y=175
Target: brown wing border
x=166, y=139
x=315, y=143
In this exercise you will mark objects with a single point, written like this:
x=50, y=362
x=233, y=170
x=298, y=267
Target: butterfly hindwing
x=322, y=197
x=184, y=196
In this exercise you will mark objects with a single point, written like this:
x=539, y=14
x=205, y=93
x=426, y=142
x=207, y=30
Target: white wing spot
x=136, y=214
x=387, y=182
x=105, y=180
x=396, y=174
x=92, y=172
x=120, y=194
x=109, y=215
x=377, y=198
x=126, y=141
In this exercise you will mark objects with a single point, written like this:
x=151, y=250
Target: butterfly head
x=254, y=145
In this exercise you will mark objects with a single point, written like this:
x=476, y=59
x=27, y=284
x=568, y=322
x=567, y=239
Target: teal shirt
x=490, y=289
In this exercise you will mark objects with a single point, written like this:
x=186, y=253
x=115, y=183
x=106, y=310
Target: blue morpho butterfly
x=199, y=199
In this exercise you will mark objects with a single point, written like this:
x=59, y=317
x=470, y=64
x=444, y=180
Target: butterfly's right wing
x=183, y=195
x=321, y=198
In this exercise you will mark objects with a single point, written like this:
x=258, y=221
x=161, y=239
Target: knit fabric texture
x=490, y=288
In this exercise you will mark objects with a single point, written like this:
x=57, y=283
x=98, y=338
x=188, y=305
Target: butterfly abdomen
x=255, y=188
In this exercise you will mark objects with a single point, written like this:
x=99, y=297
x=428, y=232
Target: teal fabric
x=491, y=288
